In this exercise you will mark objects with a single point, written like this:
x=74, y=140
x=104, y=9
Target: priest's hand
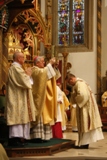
x=52, y=60
x=28, y=71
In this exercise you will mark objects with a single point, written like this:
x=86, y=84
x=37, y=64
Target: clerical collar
x=17, y=64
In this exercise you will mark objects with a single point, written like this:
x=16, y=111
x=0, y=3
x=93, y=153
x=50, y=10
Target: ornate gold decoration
x=20, y=38
x=3, y=60
x=78, y=1
x=35, y=3
x=41, y=29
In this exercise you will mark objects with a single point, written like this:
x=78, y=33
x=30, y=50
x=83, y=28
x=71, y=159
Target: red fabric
x=57, y=130
x=35, y=58
x=1, y=2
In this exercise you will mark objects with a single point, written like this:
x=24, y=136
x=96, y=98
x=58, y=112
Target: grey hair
x=38, y=59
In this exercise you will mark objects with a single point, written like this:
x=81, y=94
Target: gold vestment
x=88, y=117
x=44, y=94
x=3, y=155
x=19, y=100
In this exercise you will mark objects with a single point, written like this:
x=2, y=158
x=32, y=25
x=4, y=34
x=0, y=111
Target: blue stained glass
x=63, y=22
x=78, y=22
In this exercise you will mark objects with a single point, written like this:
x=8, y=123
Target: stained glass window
x=70, y=29
x=63, y=21
x=4, y=16
x=78, y=22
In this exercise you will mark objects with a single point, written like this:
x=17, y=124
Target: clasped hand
x=28, y=71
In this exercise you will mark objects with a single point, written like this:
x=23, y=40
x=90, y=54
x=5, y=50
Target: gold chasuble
x=39, y=88
x=44, y=94
x=3, y=154
x=50, y=106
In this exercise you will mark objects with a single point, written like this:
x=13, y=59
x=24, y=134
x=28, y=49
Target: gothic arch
x=28, y=15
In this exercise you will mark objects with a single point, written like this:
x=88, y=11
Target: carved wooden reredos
x=27, y=31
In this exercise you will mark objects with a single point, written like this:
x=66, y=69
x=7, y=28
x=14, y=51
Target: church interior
x=72, y=31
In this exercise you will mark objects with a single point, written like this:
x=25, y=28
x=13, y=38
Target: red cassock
x=57, y=130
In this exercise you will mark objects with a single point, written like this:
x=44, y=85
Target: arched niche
x=27, y=31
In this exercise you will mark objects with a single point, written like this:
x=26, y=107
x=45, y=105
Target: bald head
x=18, y=57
